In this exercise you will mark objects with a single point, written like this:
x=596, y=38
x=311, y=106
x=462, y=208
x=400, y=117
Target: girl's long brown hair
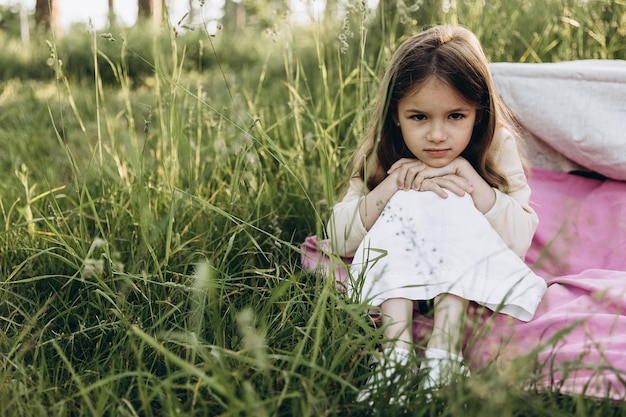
x=454, y=55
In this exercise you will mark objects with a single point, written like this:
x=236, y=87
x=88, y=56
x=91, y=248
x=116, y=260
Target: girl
x=438, y=207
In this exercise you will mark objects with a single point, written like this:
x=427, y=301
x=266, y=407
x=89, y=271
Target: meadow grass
x=151, y=221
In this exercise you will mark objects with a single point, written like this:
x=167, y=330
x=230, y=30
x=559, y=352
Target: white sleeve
x=511, y=215
x=345, y=227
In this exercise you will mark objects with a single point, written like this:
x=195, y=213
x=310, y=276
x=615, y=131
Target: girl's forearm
x=375, y=201
x=483, y=194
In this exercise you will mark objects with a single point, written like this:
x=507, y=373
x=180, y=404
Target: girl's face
x=436, y=122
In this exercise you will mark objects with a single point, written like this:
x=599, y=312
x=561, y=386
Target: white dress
x=423, y=245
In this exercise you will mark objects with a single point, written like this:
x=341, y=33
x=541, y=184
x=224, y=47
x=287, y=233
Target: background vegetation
x=156, y=185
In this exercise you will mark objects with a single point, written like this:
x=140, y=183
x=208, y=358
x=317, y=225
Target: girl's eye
x=418, y=117
x=456, y=116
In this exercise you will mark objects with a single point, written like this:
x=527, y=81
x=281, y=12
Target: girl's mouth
x=437, y=153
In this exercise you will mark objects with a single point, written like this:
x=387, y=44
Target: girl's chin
x=437, y=163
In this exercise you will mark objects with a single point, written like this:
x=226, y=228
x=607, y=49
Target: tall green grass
x=151, y=210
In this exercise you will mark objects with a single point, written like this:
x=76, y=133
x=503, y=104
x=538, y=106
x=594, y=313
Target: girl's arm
x=356, y=213
x=511, y=215
x=345, y=228
x=372, y=204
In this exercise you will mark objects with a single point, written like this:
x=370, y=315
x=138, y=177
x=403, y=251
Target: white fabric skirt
x=423, y=245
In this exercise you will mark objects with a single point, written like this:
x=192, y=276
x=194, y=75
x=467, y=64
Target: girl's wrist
x=484, y=196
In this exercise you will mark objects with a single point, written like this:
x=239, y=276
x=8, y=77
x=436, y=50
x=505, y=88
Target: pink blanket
x=582, y=224
x=578, y=334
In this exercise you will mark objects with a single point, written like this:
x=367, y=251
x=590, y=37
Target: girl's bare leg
x=449, y=314
x=443, y=358
x=397, y=317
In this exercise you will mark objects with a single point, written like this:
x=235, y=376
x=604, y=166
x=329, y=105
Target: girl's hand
x=455, y=183
x=414, y=174
x=405, y=171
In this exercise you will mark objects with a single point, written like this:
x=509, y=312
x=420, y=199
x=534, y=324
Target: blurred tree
x=242, y=14
x=47, y=15
x=111, y=14
x=150, y=9
x=234, y=19
x=24, y=26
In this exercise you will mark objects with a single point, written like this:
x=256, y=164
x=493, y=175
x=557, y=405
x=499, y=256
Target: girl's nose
x=437, y=132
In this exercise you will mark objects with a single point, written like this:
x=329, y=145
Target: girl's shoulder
x=508, y=159
x=356, y=186
x=504, y=141
x=502, y=134
x=354, y=190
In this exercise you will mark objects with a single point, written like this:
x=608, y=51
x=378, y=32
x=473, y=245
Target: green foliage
x=156, y=186
x=521, y=31
x=511, y=31
x=10, y=20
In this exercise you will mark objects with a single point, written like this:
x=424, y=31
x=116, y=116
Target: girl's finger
x=402, y=162
x=451, y=186
x=431, y=185
x=456, y=184
x=401, y=177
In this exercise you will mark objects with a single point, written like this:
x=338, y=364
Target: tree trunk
x=234, y=19
x=157, y=12
x=144, y=9
x=24, y=26
x=47, y=15
x=150, y=9
x=111, y=14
